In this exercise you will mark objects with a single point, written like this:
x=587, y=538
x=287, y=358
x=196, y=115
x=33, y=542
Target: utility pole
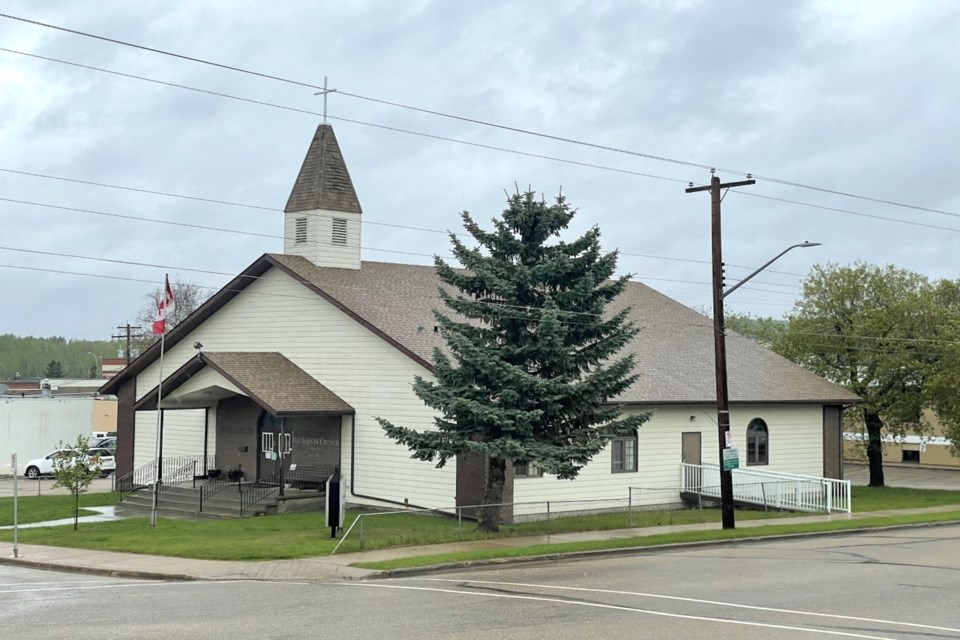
x=720, y=348
x=130, y=331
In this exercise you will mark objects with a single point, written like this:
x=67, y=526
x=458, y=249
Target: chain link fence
x=641, y=507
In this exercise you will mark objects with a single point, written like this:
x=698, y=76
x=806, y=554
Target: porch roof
x=275, y=383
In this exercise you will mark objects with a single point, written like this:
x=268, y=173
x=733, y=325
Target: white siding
x=205, y=378
x=318, y=248
x=182, y=435
x=796, y=446
x=278, y=314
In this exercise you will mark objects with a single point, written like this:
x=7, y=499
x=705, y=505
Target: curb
x=493, y=563
x=96, y=571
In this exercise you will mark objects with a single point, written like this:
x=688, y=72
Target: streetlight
x=727, y=452
x=96, y=364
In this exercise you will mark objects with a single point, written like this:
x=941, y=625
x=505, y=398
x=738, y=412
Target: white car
x=44, y=466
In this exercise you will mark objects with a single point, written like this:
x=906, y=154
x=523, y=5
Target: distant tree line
x=59, y=357
x=33, y=357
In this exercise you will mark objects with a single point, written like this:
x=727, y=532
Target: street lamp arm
x=799, y=245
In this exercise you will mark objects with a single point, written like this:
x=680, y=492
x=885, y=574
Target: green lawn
x=887, y=498
x=33, y=508
x=303, y=534
x=684, y=537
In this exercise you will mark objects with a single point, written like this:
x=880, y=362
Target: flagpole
x=164, y=306
x=156, y=484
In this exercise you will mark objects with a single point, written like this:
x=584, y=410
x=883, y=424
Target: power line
x=484, y=123
x=363, y=221
x=349, y=120
x=853, y=213
x=274, y=236
x=445, y=139
x=706, y=325
x=223, y=273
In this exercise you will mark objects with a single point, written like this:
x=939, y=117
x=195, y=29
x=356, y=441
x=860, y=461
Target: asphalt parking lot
x=912, y=477
x=44, y=487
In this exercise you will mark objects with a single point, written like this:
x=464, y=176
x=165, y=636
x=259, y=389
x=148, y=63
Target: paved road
x=900, y=584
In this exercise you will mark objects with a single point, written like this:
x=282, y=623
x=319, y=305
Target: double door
x=274, y=446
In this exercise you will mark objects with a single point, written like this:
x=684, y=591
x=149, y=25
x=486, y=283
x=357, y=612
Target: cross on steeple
x=324, y=93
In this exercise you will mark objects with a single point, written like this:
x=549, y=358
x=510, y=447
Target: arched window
x=758, y=444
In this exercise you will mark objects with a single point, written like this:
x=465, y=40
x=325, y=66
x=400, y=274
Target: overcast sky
x=857, y=97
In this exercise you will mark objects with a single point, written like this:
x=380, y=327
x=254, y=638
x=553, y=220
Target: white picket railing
x=770, y=489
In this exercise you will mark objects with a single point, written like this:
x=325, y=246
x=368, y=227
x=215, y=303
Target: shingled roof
x=268, y=378
x=323, y=181
x=674, y=349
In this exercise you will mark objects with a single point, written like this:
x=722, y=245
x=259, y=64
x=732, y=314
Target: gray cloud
x=846, y=96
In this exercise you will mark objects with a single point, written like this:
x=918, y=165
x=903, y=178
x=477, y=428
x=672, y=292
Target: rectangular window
x=339, y=235
x=623, y=454
x=526, y=470
x=300, y=232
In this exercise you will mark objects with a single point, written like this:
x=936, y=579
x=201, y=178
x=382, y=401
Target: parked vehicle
x=104, y=443
x=44, y=466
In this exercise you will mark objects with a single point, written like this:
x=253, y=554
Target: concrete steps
x=184, y=503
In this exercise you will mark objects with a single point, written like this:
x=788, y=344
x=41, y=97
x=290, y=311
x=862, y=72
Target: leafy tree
x=54, y=369
x=74, y=471
x=187, y=297
x=941, y=389
x=765, y=331
x=865, y=327
x=532, y=361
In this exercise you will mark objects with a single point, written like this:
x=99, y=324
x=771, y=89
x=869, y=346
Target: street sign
x=731, y=459
x=13, y=464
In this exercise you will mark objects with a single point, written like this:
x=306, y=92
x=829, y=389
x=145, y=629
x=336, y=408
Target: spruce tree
x=532, y=360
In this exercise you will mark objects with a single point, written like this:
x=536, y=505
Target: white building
x=33, y=426
x=307, y=347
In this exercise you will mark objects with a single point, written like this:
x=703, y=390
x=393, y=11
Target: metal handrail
x=213, y=487
x=136, y=479
x=180, y=475
x=253, y=493
x=771, y=488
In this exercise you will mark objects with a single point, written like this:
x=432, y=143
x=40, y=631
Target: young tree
x=54, y=369
x=74, y=471
x=532, y=361
x=866, y=327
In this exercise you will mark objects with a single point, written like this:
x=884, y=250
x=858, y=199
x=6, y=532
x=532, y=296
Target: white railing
x=770, y=489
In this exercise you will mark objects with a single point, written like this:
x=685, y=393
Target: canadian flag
x=165, y=307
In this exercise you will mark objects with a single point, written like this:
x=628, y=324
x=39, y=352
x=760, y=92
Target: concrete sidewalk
x=325, y=568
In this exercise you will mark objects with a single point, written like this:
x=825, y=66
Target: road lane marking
x=694, y=600
x=597, y=605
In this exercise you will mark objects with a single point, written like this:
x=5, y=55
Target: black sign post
x=335, y=506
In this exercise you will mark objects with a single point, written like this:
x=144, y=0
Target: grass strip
x=299, y=535
x=43, y=508
x=659, y=540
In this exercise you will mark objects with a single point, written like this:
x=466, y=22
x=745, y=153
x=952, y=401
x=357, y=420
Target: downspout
x=353, y=466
